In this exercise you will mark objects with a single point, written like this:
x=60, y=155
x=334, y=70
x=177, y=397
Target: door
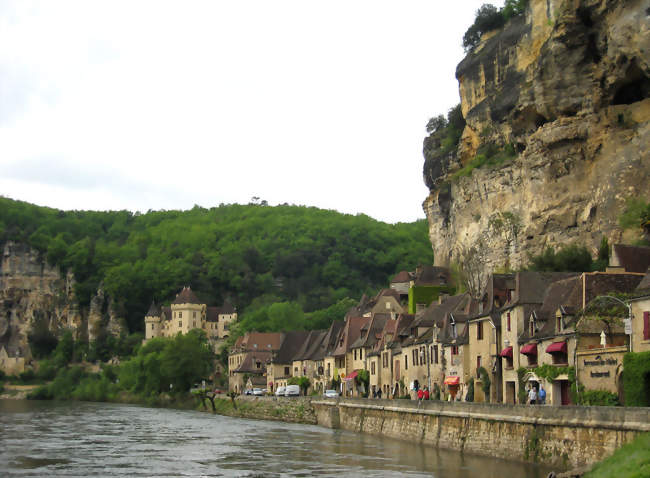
x=564, y=391
x=510, y=393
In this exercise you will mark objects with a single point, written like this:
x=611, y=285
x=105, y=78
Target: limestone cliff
x=566, y=85
x=32, y=291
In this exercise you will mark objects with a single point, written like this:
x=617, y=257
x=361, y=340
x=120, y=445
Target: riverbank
x=567, y=437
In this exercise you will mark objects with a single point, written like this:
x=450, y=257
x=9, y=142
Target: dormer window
x=559, y=323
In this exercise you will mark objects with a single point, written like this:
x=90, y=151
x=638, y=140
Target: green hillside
x=251, y=254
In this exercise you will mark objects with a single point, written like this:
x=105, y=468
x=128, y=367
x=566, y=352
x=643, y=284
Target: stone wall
x=294, y=409
x=563, y=437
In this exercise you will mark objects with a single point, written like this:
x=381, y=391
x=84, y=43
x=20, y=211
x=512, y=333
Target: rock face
x=567, y=86
x=32, y=291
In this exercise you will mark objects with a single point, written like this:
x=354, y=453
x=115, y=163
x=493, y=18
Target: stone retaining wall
x=557, y=436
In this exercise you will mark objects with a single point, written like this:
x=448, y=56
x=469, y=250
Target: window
x=454, y=349
x=479, y=331
x=360, y=354
x=532, y=326
x=258, y=364
x=406, y=362
x=646, y=325
x=384, y=360
x=151, y=326
x=560, y=358
x=372, y=368
x=180, y=323
x=435, y=353
x=194, y=315
x=414, y=354
x=508, y=321
x=355, y=354
x=180, y=315
x=478, y=364
x=287, y=371
x=423, y=353
x=194, y=324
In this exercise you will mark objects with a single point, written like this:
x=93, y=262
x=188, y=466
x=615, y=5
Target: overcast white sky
x=162, y=105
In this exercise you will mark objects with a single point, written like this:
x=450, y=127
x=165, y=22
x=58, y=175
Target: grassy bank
x=630, y=461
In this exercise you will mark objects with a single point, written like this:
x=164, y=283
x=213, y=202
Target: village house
x=342, y=354
x=305, y=359
x=640, y=309
x=187, y=312
x=11, y=365
x=249, y=356
x=485, y=337
x=279, y=367
x=325, y=368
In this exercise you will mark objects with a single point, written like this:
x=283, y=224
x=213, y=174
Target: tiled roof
x=249, y=364
x=291, y=344
x=154, y=310
x=186, y=296
x=350, y=334
x=531, y=285
x=644, y=285
x=435, y=313
x=632, y=258
x=329, y=343
x=431, y=275
x=402, y=276
x=267, y=341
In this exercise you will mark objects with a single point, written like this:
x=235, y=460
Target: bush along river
x=50, y=438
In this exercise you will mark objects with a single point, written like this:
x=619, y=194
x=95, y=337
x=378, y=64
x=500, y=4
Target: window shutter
x=646, y=325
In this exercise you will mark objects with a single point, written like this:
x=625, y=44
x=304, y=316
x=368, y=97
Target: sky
x=165, y=105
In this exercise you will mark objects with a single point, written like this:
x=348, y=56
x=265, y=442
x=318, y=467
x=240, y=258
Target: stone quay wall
x=293, y=410
x=557, y=436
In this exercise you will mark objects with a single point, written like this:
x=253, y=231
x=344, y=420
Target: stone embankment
x=558, y=436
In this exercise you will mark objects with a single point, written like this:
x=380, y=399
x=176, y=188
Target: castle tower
x=187, y=312
x=152, y=322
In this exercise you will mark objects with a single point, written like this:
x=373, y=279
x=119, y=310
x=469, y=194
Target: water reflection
x=63, y=439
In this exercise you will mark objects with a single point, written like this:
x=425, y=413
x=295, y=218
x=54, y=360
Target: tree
x=436, y=123
x=474, y=270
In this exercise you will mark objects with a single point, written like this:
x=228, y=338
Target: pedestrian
x=532, y=396
x=379, y=393
x=420, y=394
x=426, y=393
x=542, y=395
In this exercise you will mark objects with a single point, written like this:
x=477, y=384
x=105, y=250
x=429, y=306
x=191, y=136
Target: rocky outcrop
x=567, y=87
x=33, y=292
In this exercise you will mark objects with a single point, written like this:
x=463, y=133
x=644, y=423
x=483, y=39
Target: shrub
x=601, y=398
x=489, y=18
x=636, y=379
x=571, y=258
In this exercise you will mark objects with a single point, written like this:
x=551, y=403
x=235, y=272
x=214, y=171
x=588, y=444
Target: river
x=99, y=439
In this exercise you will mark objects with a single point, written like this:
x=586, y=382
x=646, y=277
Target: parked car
x=258, y=392
x=331, y=394
x=292, y=391
x=280, y=392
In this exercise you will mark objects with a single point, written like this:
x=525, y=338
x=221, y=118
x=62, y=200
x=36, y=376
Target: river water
x=99, y=439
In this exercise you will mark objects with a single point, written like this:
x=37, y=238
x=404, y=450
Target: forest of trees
x=252, y=255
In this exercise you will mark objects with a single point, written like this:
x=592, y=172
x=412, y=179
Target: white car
x=331, y=394
x=280, y=392
x=258, y=392
x=292, y=391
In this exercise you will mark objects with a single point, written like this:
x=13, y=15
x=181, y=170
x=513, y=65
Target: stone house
x=304, y=361
x=427, y=284
x=342, y=354
x=279, y=367
x=325, y=365
x=250, y=355
x=485, y=336
x=187, y=312
x=640, y=308
x=518, y=348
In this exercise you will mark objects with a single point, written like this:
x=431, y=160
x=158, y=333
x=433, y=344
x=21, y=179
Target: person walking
x=426, y=393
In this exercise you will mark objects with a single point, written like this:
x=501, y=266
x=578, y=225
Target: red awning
x=452, y=380
x=556, y=347
x=507, y=352
x=350, y=376
x=530, y=349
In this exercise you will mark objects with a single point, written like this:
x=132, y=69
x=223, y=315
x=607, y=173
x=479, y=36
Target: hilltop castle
x=187, y=312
